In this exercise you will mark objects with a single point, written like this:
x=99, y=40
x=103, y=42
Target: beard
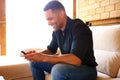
x=57, y=27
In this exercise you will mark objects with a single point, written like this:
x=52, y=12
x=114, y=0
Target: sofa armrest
x=13, y=68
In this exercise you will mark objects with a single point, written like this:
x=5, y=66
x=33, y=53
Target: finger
x=33, y=51
x=28, y=58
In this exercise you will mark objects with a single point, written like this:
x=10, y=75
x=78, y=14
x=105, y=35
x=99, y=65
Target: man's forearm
x=67, y=59
x=46, y=51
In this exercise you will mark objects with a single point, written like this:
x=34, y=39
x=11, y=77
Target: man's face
x=54, y=19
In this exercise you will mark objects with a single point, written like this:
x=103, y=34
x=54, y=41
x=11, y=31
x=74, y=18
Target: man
x=74, y=39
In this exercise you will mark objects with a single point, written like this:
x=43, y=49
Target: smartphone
x=23, y=52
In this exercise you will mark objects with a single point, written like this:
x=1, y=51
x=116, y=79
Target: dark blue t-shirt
x=77, y=40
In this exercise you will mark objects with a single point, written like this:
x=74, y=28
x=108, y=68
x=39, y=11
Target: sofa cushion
x=108, y=62
x=102, y=76
x=106, y=38
x=12, y=68
x=16, y=71
x=107, y=49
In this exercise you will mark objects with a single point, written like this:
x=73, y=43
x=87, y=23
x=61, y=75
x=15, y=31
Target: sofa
x=14, y=68
x=107, y=51
x=106, y=41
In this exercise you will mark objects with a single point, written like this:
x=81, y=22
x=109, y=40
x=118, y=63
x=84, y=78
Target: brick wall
x=89, y=10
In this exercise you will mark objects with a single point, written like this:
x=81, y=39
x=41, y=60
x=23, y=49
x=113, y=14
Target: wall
x=90, y=10
x=2, y=28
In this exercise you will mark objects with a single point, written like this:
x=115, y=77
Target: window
x=26, y=26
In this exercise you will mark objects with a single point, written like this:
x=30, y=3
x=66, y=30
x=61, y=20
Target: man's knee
x=60, y=69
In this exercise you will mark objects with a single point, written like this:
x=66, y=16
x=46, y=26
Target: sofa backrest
x=106, y=40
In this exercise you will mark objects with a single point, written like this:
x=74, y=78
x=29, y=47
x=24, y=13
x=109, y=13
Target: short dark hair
x=54, y=5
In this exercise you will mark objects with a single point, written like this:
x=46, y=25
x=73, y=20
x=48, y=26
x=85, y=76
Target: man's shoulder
x=78, y=21
x=78, y=24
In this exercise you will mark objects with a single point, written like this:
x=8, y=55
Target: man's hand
x=54, y=59
x=34, y=56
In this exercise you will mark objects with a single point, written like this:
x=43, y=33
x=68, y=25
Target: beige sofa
x=107, y=53
x=14, y=68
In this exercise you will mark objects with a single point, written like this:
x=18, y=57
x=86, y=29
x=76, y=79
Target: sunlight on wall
x=68, y=4
x=26, y=26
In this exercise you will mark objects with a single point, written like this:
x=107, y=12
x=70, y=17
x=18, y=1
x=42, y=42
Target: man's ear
x=62, y=13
